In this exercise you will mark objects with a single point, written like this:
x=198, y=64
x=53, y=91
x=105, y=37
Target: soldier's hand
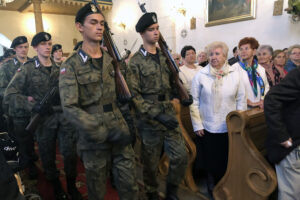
x=42, y=110
x=118, y=136
x=187, y=102
x=167, y=120
x=30, y=99
x=36, y=108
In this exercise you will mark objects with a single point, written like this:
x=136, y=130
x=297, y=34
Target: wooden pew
x=249, y=176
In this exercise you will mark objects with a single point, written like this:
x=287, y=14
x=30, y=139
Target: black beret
x=8, y=53
x=145, y=21
x=40, y=37
x=18, y=40
x=86, y=10
x=55, y=48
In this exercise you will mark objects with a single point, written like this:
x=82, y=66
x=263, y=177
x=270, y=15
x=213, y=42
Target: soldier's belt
x=93, y=109
x=107, y=108
x=154, y=97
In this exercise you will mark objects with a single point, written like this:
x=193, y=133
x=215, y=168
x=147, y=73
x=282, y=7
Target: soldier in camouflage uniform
x=16, y=122
x=87, y=90
x=151, y=84
x=28, y=87
x=57, y=54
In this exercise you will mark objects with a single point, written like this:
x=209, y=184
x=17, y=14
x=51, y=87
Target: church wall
x=61, y=27
x=277, y=31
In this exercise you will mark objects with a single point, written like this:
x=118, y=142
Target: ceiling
x=62, y=7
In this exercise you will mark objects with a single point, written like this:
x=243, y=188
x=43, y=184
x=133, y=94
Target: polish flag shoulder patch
x=63, y=71
x=19, y=69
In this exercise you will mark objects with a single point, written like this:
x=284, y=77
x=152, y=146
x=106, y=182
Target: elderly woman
x=253, y=75
x=217, y=90
x=202, y=58
x=279, y=60
x=264, y=56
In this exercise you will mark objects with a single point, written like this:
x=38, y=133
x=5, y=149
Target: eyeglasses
x=295, y=53
x=176, y=58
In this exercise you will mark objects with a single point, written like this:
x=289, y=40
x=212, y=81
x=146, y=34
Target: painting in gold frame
x=228, y=11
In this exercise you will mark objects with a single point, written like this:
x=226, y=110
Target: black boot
x=152, y=196
x=171, y=193
x=59, y=192
x=72, y=190
x=33, y=171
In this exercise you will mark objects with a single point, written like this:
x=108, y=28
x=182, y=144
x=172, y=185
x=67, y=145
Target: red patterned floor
x=46, y=190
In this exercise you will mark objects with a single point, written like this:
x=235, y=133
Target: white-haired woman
x=265, y=58
x=217, y=90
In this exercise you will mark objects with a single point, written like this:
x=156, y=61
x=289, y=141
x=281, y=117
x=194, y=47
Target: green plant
x=294, y=9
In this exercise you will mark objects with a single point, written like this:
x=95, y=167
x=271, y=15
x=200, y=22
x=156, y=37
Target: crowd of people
x=240, y=83
x=85, y=115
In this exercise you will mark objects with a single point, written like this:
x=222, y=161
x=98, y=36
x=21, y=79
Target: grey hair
x=215, y=45
x=295, y=46
x=267, y=47
x=201, y=51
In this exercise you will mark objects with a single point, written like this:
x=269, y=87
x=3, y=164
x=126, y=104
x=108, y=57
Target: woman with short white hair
x=216, y=90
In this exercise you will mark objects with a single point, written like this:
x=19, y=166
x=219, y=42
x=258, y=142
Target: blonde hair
x=214, y=45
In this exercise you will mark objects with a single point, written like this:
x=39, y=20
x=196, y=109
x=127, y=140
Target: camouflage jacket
x=31, y=79
x=147, y=78
x=88, y=96
x=7, y=71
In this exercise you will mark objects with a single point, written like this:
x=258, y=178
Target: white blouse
x=187, y=74
x=233, y=98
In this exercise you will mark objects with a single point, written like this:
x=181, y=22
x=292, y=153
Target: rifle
x=184, y=97
x=34, y=122
x=122, y=89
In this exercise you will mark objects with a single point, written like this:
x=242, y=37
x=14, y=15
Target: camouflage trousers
x=153, y=142
x=97, y=166
x=56, y=128
x=24, y=139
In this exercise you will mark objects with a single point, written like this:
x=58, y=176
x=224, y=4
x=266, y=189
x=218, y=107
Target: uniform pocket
x=89, y=84
x=150, y=79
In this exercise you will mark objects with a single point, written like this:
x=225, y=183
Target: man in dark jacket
x=282, y=111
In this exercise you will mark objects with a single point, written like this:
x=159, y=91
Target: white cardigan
x=245, y=79
x=233, y=98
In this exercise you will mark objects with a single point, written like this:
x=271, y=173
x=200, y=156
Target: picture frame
x=228, y=11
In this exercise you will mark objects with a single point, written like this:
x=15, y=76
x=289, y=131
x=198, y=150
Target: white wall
x=61, y=27
x=129, y=12
x=277, y=31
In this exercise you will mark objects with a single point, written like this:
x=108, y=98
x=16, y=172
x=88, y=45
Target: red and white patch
x=63, y=71
x=19, y=69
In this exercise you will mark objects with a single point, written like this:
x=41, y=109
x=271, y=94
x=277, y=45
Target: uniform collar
x=16, y=61
x=38, y=64
x=84, y=57
x=145, y=53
